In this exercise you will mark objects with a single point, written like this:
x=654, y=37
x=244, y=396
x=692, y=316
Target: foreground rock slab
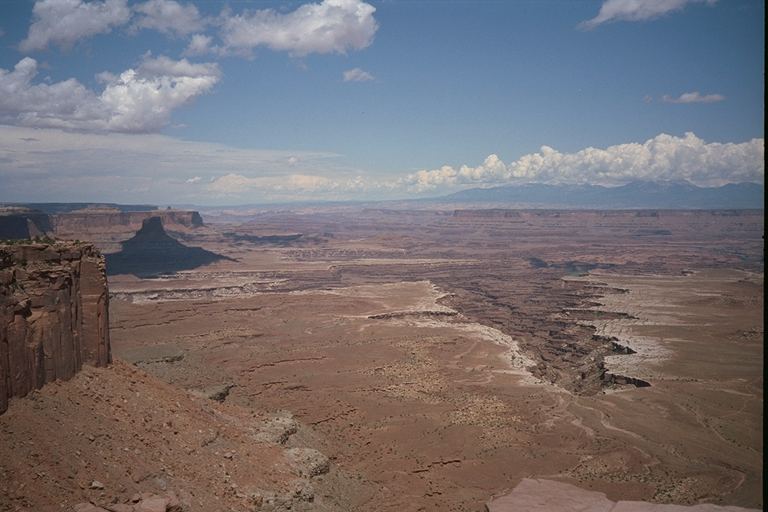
x=539, y=495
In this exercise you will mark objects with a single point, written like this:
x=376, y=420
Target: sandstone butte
x=87, y=222
x=90, y=223
x=54, y=314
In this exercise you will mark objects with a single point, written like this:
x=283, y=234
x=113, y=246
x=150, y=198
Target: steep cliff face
x=20, y=223
x=82, y=224
x=53, y=314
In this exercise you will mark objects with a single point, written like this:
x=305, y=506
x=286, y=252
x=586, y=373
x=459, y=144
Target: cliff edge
x=23, y=223
x=87, y=223
x=53, y=314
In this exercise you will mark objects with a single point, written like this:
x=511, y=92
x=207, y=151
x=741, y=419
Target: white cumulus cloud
x=637, y=10
x=64, y=22
x=357, y=75
x=693, y=97
x=168, y=17
x=664, y=157
x=331, y=26
x=136, y=100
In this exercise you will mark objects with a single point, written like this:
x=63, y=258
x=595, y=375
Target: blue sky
x=243, y=102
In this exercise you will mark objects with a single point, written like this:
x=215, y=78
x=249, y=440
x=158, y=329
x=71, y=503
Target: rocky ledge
x=539, y=495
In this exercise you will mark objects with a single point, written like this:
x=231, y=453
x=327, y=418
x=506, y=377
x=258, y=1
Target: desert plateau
x=413, y=360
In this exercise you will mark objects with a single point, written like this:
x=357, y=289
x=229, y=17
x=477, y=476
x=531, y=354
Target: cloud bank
x=137, y=100
x=330, y=26
x=637, y=10
x=290, y=185
x=51, y=164
x=664, y=157
x=142, y=99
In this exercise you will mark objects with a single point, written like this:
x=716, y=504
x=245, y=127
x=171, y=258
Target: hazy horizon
x=209, y=103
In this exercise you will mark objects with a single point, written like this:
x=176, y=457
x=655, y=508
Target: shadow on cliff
x=152, y=252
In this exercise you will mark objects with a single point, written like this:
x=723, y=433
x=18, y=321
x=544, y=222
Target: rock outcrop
x=151, y=252
x=53, y=314
x=145, y=502
x=85, y=224
x=17, y=223
x=539, y=495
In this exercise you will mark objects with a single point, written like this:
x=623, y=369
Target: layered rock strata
x=53, y=314
x=86, y=224
x=23, y=223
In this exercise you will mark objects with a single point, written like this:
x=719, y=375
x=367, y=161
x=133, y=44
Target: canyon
x=440, y=359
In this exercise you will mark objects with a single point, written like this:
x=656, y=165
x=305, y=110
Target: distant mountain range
x=637, y=194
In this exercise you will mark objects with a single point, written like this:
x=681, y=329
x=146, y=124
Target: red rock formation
x=53, y=314
x=84, y=223
x=21, y=223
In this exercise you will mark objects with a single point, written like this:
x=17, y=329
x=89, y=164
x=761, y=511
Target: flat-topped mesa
x=97, y=221
x=54, y=314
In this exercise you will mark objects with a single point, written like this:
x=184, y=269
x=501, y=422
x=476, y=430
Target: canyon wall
x=106, y=227
x=81, y=224
x=22, y=223
x=54, y=314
